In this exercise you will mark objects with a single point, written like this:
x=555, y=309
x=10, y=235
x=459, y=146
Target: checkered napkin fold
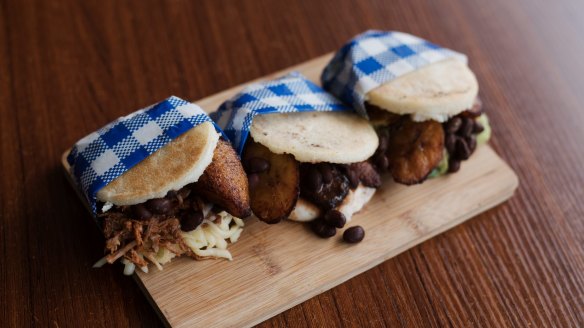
x=106, y=154
x=377, y=57
x=290, y=93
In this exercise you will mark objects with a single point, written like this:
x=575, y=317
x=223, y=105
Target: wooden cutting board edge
x=312, y=69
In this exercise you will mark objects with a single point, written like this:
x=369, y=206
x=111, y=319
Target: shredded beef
x=123, y=225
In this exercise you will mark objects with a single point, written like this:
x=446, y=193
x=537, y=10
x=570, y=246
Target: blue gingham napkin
x=104, y=155
x=290, y=93
x=374, y=58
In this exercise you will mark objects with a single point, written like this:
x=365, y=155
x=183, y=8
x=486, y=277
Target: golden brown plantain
x=415, y=149
x=224, y=182
x=275, y=194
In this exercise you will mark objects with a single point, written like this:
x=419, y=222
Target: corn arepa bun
x=437, y=91
x=314, y=137
x=178, y=163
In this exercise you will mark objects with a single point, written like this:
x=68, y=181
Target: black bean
x=326, y=171
x=335, y=218
x=184, y=192
x=190, y=221
x=159, y=205
x=257, y=165
x=353, y=177
x=381, y=162
x=354, y=234
x=171, y=194
x=478, y=128
x=453, y=125
x=471, y=142
x=141, y=212
x=383, y=142
x=450, y=143
x=322, y=229
x=466, y=127
x=313, y=179
x=253, y=180
x=453, y=165
x=462, y=151
x=198, y=204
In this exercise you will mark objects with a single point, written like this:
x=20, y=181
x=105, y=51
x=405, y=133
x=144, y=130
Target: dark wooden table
x=68, y=67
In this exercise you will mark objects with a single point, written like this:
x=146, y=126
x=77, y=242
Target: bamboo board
x=278, y=266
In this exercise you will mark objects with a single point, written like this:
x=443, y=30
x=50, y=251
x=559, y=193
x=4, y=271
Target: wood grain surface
x=68, y=67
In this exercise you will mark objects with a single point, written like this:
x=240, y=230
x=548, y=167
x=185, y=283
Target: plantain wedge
x=224, y=182
x=274, y=195
x=415, y=149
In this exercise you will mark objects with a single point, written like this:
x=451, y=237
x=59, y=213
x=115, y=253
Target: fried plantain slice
x=415, y=149
x=275, y=194
x=224, y=182
x=328, y=194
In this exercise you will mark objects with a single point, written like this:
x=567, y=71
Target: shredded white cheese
x=164, y=255
x=210, y=238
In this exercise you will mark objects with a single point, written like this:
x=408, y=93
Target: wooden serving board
x=276, y=267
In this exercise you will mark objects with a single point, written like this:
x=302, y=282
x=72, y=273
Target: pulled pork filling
x=162, y=228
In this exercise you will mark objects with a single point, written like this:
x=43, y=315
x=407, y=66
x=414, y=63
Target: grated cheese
x=210, y=238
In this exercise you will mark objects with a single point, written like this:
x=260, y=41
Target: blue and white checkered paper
x=104, y=155
x=376, y=57
x=290, y=93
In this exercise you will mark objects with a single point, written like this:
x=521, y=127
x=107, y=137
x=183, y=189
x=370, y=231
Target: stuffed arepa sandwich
x=306, y=154
x=162, y=183
x=422, y=99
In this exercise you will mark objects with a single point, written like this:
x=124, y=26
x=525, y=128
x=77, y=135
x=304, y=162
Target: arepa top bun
x=437, y=91
x=314, y=137
x=180, y=162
